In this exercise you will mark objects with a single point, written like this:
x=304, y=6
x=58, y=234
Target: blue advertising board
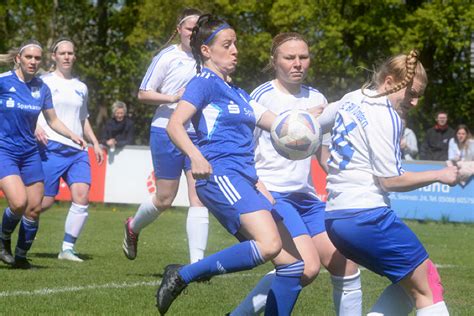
x=436, y=201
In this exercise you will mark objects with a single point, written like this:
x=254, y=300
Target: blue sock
x=69, y=238
x=239, y=257
x=9, y=222
x=26, y=236
x=286, y=287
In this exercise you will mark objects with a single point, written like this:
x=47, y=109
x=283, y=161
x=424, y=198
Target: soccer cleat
x=130, y=241
x=171, y=286
x=6, y=252
x=69, y=254
x=21, y=263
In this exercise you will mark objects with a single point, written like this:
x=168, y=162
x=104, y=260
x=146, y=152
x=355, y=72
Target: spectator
x=435, y=145
x=408, y=143
x=119, y=130
x=461, y=146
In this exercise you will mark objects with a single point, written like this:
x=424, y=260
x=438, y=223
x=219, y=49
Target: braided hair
x=181, y=18
x=402, y=67
x=205, y=26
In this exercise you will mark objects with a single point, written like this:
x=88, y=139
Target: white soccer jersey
x=70, y=103
x=168, y=72
x=365, y=146
x=276, y=172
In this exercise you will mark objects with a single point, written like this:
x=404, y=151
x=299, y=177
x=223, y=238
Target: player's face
x=222, y=53
x=64, y=57
x=119, y=115
x=292, y=61
x=185, y=30
x=461, y=135
x=442, y=119
x=406, y=98
x=29, y=61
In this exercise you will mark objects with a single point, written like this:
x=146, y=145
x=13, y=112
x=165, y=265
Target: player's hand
x=99, y=154
x=200, y=167
x=41, y=136
x=449, y=175
x=179, y=94
x=78, y=140
x=317, y=110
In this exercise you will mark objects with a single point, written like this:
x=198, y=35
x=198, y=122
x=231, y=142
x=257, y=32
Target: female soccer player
x=290, y=183
x=225, y=117
x=62, y=158
x=22, y=97
x=163, y=85
x=365, y=165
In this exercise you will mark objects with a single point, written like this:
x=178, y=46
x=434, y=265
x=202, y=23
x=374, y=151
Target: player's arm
x=200, y=167
x=156, y=98
x=327, y=118
x=55, y=123
x=409, y=181
x=89, y=133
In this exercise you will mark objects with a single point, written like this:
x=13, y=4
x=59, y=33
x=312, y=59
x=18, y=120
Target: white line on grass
x=49, y=291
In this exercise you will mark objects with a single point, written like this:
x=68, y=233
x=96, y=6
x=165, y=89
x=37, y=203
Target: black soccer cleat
x=21, y=263
x=171, y=286
x=6, y=252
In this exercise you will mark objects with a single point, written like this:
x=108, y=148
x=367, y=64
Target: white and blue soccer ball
x=296, y=134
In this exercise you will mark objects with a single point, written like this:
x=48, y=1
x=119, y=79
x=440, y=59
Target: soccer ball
x=296, y=134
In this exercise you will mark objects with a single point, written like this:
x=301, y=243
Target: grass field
x=109, y=284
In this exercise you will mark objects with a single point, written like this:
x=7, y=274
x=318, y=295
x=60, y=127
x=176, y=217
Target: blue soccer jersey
x=20, y=104
x=225, y=120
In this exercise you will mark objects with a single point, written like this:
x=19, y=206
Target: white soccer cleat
x=69, y=254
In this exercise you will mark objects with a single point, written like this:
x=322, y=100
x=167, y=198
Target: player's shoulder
x=6, y=74
x=262, y=90
x=166, y=53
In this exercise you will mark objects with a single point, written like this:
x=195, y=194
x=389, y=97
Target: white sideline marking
x=49, y=291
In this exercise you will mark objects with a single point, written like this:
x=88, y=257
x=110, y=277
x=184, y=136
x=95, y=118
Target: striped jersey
x=225, y=121
x=168, y=72
x=70, y=99
x=20, y=104
x=365, y=145
x=271, y=165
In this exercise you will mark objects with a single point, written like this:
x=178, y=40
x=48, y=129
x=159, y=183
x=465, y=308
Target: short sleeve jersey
x=70, y=103
x=168, y=72
x=20, y=104
x=225, y=121
x=365, y=146
x=269, y=164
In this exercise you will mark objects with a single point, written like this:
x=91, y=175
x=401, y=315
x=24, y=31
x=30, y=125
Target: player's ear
x=205, y=51
x=389, y=82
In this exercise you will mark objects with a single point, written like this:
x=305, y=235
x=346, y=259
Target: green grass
x=109, y=284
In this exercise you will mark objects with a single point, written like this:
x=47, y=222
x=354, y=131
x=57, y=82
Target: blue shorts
x=303, y=213
x=376, y=239
x=229, y=196
x=63, y=161
x=168, y=160
x=27, y=166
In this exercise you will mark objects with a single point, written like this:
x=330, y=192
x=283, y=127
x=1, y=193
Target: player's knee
x=434, y=281
x=270, y=247
x=311, y=271
x=163, y=202
x=18, y=205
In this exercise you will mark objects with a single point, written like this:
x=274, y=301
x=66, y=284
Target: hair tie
x=220, y=28
x=28, y=45
x=187, y=18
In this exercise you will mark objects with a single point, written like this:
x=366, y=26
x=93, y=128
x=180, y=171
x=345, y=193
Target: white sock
x=347, y=294
x=438, y=309
x=75, y=221
x=393, y=301
x=146, y=214
x=197, y=228
x=254, y=303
